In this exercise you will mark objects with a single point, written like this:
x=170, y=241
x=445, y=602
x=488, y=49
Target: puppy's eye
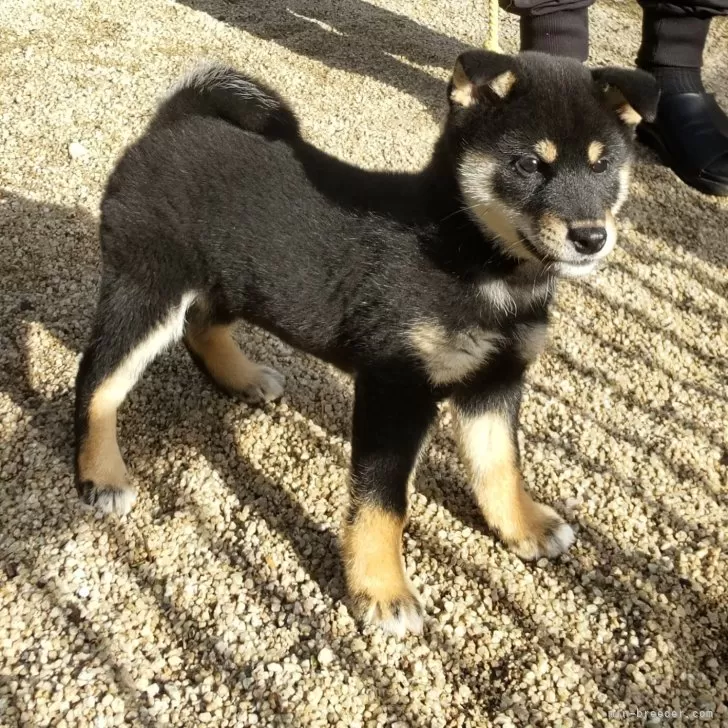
x=600, y=165
x=527, y=164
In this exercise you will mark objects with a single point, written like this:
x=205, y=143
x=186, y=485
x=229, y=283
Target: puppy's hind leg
x=130, y=331
x=216, y=353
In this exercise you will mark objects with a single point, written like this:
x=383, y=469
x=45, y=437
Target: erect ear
x=632, y=93
x=481, y=75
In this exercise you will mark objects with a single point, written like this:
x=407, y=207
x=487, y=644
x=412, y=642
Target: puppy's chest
x=450, y=355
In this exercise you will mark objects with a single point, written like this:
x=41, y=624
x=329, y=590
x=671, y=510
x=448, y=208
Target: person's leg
x=691, y=131
x=558, y=27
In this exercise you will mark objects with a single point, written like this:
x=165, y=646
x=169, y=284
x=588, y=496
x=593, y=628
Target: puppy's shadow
x=211, y=428
x=698, y=225
x=56, y=292
x=49, y=267
x=350, y=35
x=50, y=275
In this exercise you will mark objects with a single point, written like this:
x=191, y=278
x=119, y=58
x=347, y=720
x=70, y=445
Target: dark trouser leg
x=687, y=133
x=673, y=39
x=558, y=27
x=391, y=417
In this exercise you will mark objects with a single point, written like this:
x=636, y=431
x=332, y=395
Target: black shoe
x=691, y=136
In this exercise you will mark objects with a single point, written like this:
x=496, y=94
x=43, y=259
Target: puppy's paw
x=395, y=614
x=375, y=571
x=545, y=534
x=117, y=499
x=266, y=386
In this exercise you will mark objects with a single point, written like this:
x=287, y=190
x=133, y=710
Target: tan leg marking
x=532, y=340
x=375, y=573
x=230, y=368
x=100, y=463
x=531, y=529
x=100, y=459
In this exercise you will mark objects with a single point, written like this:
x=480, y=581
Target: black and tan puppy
x=424, y=286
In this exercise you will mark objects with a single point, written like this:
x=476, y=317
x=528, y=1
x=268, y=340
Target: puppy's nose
x=588, y=240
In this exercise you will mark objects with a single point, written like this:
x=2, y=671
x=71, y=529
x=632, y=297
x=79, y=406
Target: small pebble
x=76, y=150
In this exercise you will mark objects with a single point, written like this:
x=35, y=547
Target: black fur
x=223, y=197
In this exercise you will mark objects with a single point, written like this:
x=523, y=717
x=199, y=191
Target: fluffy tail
x=223, y=93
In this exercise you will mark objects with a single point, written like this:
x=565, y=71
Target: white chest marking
x=498, y=295
x=451, y=356
x=507, y=300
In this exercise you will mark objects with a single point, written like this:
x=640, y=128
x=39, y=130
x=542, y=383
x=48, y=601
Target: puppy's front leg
x=392, y=414
x=487, y=413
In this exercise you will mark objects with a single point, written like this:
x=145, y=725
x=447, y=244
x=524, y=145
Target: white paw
x=550, y=537
x=110, y=499
x=271, y=384
x=559, y=541
x=397, y=616
x=408, y=618
x=267, y=387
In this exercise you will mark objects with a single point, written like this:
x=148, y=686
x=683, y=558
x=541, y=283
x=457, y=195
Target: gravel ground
x=220, y=600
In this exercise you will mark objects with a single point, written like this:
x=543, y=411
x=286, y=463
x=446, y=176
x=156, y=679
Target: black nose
x=588, y=240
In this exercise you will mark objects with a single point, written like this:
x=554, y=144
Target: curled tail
x=220, y=92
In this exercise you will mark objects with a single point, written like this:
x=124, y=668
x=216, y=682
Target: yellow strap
x=491, y=42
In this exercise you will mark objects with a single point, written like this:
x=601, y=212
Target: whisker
x=510, y=244
x=462, y=209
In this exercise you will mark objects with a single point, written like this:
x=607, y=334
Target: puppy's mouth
x=569, y=268
x=543, y=241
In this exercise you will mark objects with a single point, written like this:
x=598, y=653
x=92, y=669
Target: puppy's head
x=542, y=148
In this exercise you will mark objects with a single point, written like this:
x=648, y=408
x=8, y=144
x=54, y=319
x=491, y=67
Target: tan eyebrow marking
x=595, y=151
x=547, y=150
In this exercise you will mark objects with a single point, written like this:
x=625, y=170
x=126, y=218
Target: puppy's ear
x=481, y=76
x=632, y=94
